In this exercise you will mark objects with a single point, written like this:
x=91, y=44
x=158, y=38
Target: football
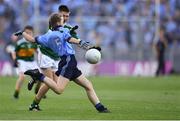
x=93, y=56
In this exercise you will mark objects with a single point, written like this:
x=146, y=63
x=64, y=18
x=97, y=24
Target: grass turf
x=127, y=98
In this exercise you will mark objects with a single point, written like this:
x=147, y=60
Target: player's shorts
x=26, y=65
x=68, y=67
x=45, y=61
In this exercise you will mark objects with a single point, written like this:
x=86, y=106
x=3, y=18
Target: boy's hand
x=84, y=44
x=18, y=33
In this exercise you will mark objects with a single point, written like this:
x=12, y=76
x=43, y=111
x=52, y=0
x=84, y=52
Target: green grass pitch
x=127, y=98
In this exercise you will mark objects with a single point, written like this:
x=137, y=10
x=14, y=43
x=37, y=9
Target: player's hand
x=84, y=44
x=15, y=63
x=72, y=30
x=18, y=33
x=96, y=47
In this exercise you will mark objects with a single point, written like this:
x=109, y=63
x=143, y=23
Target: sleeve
x=10, y=48
x=42, y=39
x=66, y=35
x=74, y=35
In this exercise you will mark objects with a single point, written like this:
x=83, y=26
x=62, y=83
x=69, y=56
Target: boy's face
x=28, y=31
x=65, y=15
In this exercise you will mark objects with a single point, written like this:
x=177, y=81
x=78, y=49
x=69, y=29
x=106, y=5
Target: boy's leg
x=41, y=93
x=19, y=84
x=59, y=86
x=43, y=89
x=84, y=82
x=56, y=87
x=38, y=85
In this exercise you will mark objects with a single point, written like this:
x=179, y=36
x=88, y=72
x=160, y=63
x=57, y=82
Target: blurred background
x=127, y=31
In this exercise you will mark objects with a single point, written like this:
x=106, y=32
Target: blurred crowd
x=116, y=25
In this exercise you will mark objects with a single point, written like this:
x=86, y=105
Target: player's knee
x=21, y=77
x=89, y=87
x=59, y=91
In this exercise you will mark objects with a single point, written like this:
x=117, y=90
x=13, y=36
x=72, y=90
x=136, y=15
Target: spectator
x=99, y=16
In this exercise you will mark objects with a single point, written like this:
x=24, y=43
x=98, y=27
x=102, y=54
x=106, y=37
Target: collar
x=56, y=28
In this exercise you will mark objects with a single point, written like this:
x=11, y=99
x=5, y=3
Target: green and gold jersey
x=49, y=52
x=25, y=50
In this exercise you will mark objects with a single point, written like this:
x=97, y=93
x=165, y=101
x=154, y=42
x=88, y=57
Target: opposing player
x=60, y=41
x=10, y=49
x=24, y=56
x=48, y=60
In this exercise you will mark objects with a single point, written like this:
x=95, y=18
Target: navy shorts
x=68, y=67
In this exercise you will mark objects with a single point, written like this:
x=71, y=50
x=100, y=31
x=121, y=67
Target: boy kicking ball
x=60, y=41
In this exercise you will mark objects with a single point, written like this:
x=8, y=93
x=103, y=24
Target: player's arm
x=74, y=40
x=25, y=35
x=83, y=44
x=15, y=62
x=13, y=55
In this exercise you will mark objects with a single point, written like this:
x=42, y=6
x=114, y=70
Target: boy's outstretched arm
x=25, y=35
x=84, y=44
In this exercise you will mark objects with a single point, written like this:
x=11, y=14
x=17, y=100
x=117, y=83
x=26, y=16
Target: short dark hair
x=29, y=28
x=63, y=8
x=54, y=19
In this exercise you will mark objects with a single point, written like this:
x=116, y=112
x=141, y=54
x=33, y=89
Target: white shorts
x=26, y=65
x=46, y=62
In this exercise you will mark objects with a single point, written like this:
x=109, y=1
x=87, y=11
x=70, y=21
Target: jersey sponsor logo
x=26, y=52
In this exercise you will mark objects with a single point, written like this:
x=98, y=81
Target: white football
x=93, y=56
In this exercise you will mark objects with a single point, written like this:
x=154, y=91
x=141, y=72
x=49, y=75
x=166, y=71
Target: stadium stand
x=125, y=29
